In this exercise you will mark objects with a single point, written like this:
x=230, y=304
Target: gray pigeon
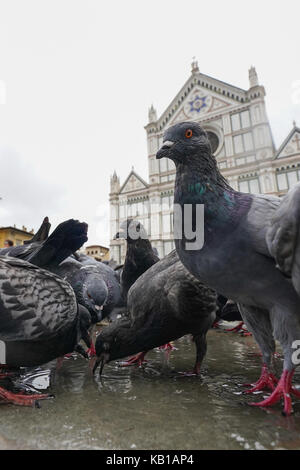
x=164, y=304
x=114, y=303
x=88, y=284
x=40, y=319
x=250, y=254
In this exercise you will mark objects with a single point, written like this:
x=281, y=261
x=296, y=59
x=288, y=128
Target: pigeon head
x=131, y=230
x=92, y=292
x=113, y=342
x=184, y=141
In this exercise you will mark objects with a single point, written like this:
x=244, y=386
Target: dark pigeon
x=89, y=286
x=42, y=233
x=68, y=237
x=114, y=304
x=40, y=319
x=164, y=304
x=139, y=253
x=244, y=255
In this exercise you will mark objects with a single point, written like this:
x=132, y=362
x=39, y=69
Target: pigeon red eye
x=188, y=133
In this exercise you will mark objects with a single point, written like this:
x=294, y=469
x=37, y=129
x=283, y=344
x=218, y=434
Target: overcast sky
x=77, y=78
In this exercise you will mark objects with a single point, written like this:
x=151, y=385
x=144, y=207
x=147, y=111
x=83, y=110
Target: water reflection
x=153, y=406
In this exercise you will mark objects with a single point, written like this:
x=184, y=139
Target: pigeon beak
x=164, y=149
x=98, y=307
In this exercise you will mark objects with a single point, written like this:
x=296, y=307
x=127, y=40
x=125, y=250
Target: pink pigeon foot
x=138, y=359
x=167, y=347
x=283, y=390
x=266, y=381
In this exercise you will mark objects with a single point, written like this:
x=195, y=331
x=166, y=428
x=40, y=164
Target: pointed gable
x=200, y=96
x=133, y=182
x=291, y=145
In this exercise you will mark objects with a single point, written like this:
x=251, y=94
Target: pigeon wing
x=283, y=236
x=34, y=303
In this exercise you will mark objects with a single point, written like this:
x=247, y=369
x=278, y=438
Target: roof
x=17, y=230
x=133, y=173
x=286, y=141
x=97, y=246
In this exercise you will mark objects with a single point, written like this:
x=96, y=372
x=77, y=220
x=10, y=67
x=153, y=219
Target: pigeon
x=229, y=311
x=42, y=233
x=139, y=253
x=114, y=304
x=89, y=286
x=40, y=320
x=249, y=251
x=68, y=237
x=164, y=304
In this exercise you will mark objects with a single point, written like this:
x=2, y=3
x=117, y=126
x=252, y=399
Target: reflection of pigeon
x=241, y=249
x=164, y=304
x=88, y=284
x=40, y=319
x=68, y=237
x=139, y=253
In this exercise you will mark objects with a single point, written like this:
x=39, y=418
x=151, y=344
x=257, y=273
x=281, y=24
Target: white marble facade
x=241, y=138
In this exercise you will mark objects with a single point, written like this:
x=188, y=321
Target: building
x=18, y=236
x=100, y=253
x=241, y=138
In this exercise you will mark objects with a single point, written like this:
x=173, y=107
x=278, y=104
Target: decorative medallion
x=198, y=103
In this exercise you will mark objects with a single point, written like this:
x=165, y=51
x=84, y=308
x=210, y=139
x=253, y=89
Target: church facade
x=241, y=139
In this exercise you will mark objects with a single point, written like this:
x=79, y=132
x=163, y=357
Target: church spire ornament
x=195, y=67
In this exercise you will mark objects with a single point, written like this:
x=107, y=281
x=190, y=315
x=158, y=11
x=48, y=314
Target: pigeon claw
x=266, y=381
x=283, y=390
x=138, y=359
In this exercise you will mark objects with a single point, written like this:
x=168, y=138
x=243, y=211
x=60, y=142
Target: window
x=122, y=211
x=167, y=202
x=240, y=120
x=254, y=186
x=249, y=186
x=235, y=122
x=243, y=142
x=248, y=141
x=287, y=179
x=238, y=144
x=163, y=179
x=243, y=187
x=222, y=165
x=292, y=177
x=166, y=223
x=245, y=119
x=240, y=161
x=163, y=165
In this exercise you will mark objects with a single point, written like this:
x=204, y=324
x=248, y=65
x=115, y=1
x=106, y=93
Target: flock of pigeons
x=51, y=294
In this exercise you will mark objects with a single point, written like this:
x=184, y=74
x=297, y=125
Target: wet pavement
x=154, y=407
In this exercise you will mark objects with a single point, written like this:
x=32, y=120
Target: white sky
x=80, y=76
